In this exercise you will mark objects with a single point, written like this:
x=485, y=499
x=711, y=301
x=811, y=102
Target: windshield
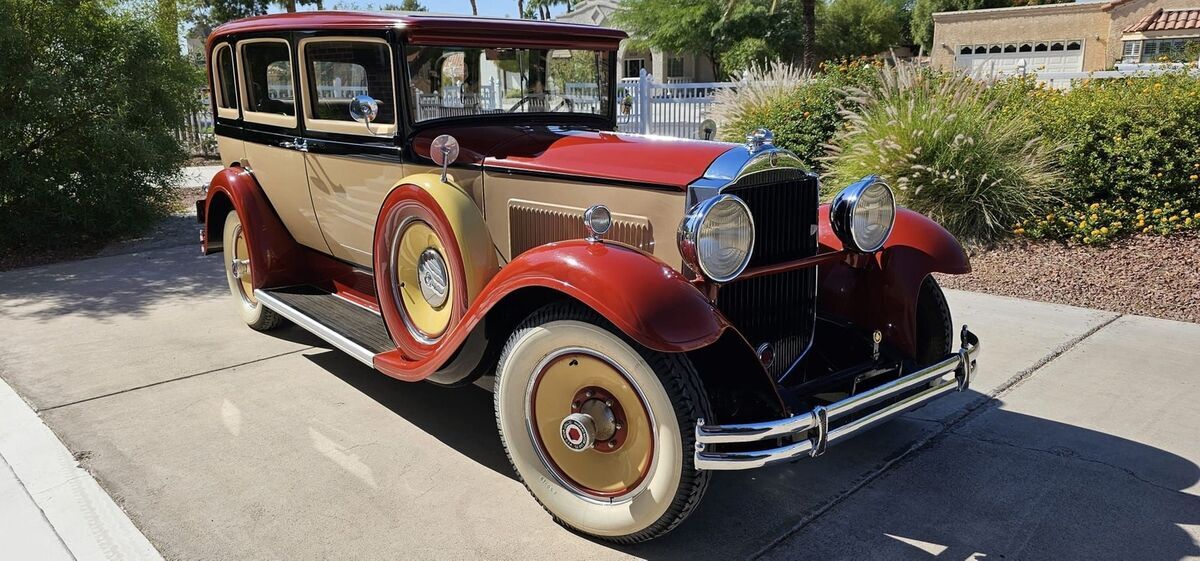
x=462, y=81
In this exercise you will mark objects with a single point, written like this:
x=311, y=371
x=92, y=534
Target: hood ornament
x=760, y=140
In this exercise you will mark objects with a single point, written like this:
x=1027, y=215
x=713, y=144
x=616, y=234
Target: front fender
x=880, y=293
x=643, y=297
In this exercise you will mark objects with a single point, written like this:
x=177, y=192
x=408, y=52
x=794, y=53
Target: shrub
x=1132, y=139
x=1102, y=222
x=89, y=95
x=800, y=108
x=951, y=148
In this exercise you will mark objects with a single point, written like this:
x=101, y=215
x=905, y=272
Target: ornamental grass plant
x=800, y=108
x=952, y=147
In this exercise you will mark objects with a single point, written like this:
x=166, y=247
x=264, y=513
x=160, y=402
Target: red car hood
x=575, y=153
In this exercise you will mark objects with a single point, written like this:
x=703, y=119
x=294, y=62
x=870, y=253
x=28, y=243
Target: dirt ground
x=1145, y=275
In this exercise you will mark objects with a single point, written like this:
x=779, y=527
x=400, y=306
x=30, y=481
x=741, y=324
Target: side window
x=225, y=83
x=337, y=71
x=267, y=82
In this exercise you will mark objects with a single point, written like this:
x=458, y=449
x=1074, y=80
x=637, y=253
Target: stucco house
x=1083, y=36
x=666, y=67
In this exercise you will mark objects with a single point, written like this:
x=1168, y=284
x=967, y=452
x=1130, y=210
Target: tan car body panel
x=280, y=173
x=347, y=193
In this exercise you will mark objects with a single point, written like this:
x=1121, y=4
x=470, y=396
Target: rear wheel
x=601, y=431
x=935, y=329
x=241, y=282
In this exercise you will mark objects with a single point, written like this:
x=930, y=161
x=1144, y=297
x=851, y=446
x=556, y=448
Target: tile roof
x=1167, y=20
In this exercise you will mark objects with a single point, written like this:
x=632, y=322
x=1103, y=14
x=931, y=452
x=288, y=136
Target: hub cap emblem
x=578, y=432
x=431, y=272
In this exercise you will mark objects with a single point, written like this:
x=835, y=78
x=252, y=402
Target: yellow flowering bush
x=1100, y=223
x=1136, y=139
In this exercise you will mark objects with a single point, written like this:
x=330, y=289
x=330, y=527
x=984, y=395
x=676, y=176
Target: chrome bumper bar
x=949, y=374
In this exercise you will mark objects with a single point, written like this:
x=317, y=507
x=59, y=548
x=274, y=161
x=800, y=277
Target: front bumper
x=811, y=432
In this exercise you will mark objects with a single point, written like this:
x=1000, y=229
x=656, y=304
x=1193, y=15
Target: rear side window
x=339, y=70
x=267, y=71
x=226, y=83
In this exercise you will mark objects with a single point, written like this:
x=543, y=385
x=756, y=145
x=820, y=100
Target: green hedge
x=89, y=95
x=1105, y=159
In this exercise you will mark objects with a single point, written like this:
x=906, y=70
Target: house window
x=1040, y=47
x=1010, y=48
x=1025, y=48
x=675, y=67
x=965, y=51
x=1157, y=50
x=1073, y=46
x=634, y=66
x=1132, y=51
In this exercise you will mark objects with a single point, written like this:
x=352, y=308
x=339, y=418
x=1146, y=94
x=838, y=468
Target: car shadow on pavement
x=471, y=429
x=1003, y=485
x=98, y=288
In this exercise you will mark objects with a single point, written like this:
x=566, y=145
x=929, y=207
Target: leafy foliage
x=801, y=109
x=858, y=27
x=88, y=98
x=950, y=150
x=404, y=6
x=1131, y=151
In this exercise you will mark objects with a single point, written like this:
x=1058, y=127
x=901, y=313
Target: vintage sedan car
x=445, y=199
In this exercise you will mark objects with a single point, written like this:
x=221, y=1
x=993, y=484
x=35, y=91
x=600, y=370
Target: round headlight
x=716, y=238
x=862, y=215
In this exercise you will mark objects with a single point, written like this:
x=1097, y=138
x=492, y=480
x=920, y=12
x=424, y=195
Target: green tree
x=405, y=6
x=858, y=27
x=208, y=14
x=89, y=96
x=708, y=27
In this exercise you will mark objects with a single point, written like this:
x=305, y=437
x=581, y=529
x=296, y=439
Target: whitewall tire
x=624, y=474
x=237, y=271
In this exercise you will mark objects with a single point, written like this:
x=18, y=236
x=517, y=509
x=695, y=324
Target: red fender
x=643, y=297
x=275, y=257
x=881, y=292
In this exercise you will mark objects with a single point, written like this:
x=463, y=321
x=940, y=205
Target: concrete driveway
x=1078, y=440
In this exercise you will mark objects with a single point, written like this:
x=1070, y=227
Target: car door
x=351, y=166
x=274, y=148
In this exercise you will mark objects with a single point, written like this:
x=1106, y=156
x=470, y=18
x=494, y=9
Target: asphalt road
x=1078, y=440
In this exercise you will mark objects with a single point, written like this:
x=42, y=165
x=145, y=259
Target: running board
x=349, y=327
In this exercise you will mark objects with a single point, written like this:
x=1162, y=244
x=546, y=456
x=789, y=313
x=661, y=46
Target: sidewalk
x=50, y=508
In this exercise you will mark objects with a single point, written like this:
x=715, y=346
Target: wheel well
x=218, y=209
x=736, y=386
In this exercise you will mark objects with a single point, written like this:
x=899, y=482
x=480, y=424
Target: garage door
x=1001, y=59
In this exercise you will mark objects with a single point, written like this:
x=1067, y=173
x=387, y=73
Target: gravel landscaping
x=1144, y=275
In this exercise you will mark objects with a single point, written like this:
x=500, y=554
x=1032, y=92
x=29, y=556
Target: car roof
x=436, y=29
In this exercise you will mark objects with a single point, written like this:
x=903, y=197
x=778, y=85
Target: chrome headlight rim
x=689, y=231
x=842, y=209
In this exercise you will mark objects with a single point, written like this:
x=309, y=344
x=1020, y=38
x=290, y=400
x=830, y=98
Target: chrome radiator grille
x=779, y=309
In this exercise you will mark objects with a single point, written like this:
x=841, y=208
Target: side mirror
x=444, y=151
x=364, y=109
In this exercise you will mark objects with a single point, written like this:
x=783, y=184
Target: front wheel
x=600, y=430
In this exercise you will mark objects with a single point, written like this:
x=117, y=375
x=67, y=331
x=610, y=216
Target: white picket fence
x=677, y=110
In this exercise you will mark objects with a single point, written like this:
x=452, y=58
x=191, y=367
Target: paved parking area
x=1077, y=441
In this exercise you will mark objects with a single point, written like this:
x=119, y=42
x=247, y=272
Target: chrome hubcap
x=431, y=271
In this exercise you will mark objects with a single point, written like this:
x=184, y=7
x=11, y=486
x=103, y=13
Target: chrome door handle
x=297, y=144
